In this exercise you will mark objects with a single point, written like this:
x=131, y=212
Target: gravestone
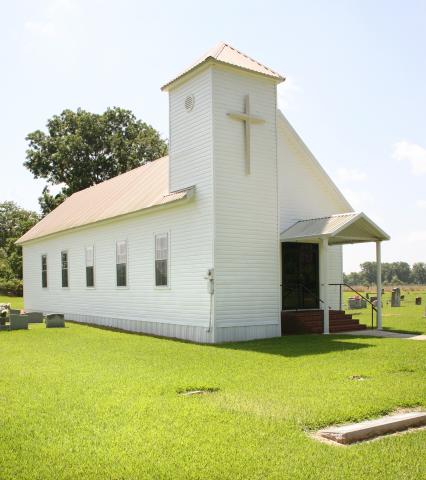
x=55, y=320
x=356, y=302
x=35, y=317
x=418, y=300
x=396, y=297
x=18, y=322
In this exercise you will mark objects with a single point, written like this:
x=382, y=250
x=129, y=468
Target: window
x=161, y=259
x=90, y=266
x=121, y=262
x=64, y=264
x=44, y=271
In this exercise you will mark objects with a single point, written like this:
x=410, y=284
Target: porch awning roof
x=340, y=229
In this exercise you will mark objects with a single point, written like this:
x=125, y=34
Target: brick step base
x=312, y=321
x=333, y=321
x=346, y=328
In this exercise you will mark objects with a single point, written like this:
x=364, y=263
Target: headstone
x=55, y=320
x=356, y=302
x=35, y=317
x=18, y=322
x=402, y=297
x=418, y=300
x=396, y=297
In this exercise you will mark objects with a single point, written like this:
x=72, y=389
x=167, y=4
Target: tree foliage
x=81, y=149
x=14, y=222
x=418, y=273
x=392, y=274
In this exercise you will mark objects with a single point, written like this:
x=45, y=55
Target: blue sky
x=355, y=90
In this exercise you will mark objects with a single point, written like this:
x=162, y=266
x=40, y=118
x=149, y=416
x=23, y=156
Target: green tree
x=14, y=222
x=418, y=273
x=402, y=271
x=354, y=278
x=368, y=270
x=81, y=149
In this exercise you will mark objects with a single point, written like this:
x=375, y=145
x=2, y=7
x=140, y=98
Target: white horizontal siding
x=186, y=302
x=246, y=217
x=303, y=190
x=305, y=193
x=183, y=309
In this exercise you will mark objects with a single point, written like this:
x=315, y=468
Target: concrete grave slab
x=357, y=432
x=383, y=334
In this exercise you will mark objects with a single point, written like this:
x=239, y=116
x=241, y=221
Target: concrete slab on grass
x=356, y=432
x=383, y=334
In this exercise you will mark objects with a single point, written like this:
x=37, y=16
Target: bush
x=11, y=287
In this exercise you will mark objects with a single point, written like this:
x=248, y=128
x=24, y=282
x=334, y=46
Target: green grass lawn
x=409, y=317
x=17, y=302
x=88, y=403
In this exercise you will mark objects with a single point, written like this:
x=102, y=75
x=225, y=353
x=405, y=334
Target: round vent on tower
x=189, y=103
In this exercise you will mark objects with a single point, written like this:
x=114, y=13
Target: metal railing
x=296, y=287
x=373, y=308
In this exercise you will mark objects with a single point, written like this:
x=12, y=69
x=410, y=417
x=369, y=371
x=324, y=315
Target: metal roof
x=225, y=53
x=342, y=228
x=139, y=189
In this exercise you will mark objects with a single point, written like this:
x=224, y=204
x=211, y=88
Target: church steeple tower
x=223, y=140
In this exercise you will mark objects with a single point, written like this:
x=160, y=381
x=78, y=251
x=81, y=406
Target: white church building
x=239, y=224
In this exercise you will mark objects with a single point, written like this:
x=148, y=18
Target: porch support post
x=324, y=283
x=379, y=284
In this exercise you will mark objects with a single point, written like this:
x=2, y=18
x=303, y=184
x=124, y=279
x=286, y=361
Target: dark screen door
x=300, y=276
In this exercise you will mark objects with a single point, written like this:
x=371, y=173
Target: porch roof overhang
x=340, y=229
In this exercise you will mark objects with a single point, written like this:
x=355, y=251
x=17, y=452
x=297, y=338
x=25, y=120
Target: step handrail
x=297, y=285
x=373, y=308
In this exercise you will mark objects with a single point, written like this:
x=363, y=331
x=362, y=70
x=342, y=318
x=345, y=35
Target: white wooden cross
x=248, y=120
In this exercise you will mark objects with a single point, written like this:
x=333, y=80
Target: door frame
x=315, y=292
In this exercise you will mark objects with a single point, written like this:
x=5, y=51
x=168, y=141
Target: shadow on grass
x=287, y=346
x=298, y=345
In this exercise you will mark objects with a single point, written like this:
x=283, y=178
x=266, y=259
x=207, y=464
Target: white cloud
x=350, y=175
x=287, y=92
x=41, y=28
x=412, y=153
x=52, y=19
x=421, y=203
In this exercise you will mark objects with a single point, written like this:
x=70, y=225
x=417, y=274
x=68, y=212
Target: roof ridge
x=230, y=56
x=250, y=58
x=222, y=46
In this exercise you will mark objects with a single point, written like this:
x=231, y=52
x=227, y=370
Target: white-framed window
x=64, y=267
x=121, y=263
x=162, y=260
x=90, y=266
x=44, y=271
